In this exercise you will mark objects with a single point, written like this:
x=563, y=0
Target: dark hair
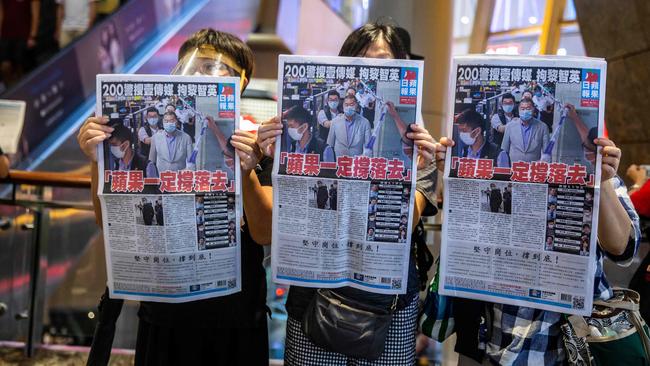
x=152, y=109
x=471, y=118
x=347, y=96
x=224, y=42
x=507, y=96
x=361, y=38
x=527, y=100
x=537, y=88
x=298, y=114
x=333, y=92
x=170, y=114
x=121, y=134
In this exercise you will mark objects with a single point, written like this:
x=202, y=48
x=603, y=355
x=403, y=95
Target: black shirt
x=244, y=309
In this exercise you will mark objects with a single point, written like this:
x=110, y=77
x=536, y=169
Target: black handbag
x=347, y=326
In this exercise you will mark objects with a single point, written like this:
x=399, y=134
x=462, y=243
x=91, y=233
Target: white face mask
x=294, y=134
x=117, y=151
x=333, y=104
x=466, y=138
x=152, y=121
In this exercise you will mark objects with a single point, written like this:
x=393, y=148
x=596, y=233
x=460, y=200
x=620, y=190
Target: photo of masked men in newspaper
x=530, y=123
x=170, y=200
x=345, y=172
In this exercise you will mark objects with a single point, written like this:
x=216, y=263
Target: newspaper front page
x=169, y=186
x=344, y=173
x=522, y=182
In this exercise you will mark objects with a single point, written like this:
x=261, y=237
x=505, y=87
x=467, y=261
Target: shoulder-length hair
x=361, y=38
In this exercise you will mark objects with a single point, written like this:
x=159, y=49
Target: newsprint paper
x=344, y=172
x=522, y=182
x=169, y=186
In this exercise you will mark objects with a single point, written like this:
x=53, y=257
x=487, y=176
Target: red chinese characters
x=466, y=167
x=576, y=174
x=361, y=167
x=312, y=164
x=202, y=181
x=168, y=181
x=295, y=163
x=119, y=181
x=185, y=180
x=395, y=169
x=484, y=169
x=219, y=181
x=344, y=166
x=520, y=171
x=538, y=171
x=135, y=181
x=378, y=168
x=557, y=173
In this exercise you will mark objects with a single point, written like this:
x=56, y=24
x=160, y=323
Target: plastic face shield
x=207, y=61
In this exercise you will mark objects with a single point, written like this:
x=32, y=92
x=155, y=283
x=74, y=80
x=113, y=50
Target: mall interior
x=52, y=255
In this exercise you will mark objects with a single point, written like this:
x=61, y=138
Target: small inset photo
x=149, y=211
x=496, y=197
x=323, y=195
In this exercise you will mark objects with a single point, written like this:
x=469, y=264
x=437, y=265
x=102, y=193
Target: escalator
x=141, y=37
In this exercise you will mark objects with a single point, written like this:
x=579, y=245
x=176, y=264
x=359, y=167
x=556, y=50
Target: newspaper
x=521, y=200
x=343, y=184
x=12, y=117
x=171, y=202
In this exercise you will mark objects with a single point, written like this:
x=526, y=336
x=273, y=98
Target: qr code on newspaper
x=397, y=283
x=578, y=302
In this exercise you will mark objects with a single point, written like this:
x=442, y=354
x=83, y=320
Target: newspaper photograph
x=169, y=186
x=522, y=181
x=344, y=172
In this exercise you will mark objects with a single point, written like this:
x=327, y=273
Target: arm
x=331, y=136
x=614, y=223
x=616, y=217
x=92, y=13
x=258, y=205
x=153, y=154
x=505, y=144
x=60, y=11
x=216, y=131
x=4, y=166
x=36, y=11
x=258, y=199
x=94, y=182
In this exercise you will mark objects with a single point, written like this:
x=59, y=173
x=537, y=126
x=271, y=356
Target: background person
x=170, y=149
x=321, y=195
x=372, y=40
x=525, y=137
x=526, y=336
x=350, y=133
x=299, y=129
x=151, y=126
x=501, y=118
x=640, y=189
x=495, y=198
x=74, y=18
x=228, y=330
x=332, y=108
x=471, y=128
x=122, y=155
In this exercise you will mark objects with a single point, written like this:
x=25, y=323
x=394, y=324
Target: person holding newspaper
x=373, y=41
x=525, y=336
x=228, y=330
